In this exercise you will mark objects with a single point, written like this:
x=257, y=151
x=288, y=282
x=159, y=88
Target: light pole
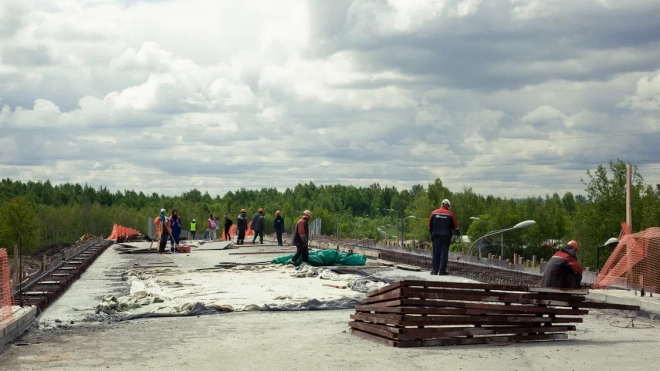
x=609, y=243
x=520, y=225
x=501, y=235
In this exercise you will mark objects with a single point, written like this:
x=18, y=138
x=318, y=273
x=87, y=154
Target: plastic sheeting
x=327, y=258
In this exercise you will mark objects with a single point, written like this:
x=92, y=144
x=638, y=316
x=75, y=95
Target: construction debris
x=427, y=313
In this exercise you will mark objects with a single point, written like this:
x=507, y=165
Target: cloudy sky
x=509, y=97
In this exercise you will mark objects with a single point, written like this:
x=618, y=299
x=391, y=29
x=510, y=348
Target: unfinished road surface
x=291, y=340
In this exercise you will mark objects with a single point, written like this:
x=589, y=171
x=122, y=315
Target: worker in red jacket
x=442, y=223
x=563, y=270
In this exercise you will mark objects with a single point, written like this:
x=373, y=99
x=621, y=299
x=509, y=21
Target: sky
x=512, y=98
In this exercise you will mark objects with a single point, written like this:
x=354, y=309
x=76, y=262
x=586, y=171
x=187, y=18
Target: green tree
x=19, y=224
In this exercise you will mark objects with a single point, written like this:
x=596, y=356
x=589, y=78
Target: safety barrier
x=6, y=296
x=119, y=231
x=634, y=263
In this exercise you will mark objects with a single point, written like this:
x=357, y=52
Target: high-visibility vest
x=193, y=227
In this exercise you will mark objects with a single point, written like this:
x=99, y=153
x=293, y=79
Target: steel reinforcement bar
x=43, y=289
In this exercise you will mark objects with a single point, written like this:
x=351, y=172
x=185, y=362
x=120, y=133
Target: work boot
x=290, y=262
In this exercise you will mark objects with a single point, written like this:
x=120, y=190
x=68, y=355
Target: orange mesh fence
x=234, y=233
x=634, y=263
x=119, y=231
x=6, y=298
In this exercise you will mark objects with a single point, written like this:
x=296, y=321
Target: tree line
x=40, y=213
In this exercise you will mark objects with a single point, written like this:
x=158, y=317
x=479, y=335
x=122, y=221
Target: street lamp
x=609, y=243
x=520, y=225
x=397, y=221
x=501, y=236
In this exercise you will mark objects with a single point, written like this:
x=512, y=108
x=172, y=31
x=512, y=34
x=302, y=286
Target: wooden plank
x=409, y=293
x=374, y=338
x=550, y=290
x=464, y=285
x=262, y=252
x=385, y=289
x=469, y=297
x=391, y=295
x=480, y=340
x=335, y=285
x=384, y=331
x=407, y=267
x=452, y=332
x=495, y=307
x=596, y=305
x=517, y=295
x=396, y=320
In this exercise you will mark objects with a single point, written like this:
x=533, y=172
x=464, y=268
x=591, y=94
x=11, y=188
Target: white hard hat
x=446, y=202
x=194, y=220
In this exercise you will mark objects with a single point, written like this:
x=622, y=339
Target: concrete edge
x=647, y=308
x=22, y=321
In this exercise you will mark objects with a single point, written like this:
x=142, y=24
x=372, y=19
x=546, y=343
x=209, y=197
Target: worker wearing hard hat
x=301, y=240
x=193, y=228
x=441, y=224
x=278, y=226
x=258, y=225
x=241, y=227
x=563, y=269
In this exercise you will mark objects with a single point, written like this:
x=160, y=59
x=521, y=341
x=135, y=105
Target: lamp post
x=501, y=235
x=520, y=225
x=609, y=243
x=397, y=221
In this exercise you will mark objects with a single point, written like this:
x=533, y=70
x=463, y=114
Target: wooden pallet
x=422, y=313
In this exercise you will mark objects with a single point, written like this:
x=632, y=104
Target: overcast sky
x=510, y=97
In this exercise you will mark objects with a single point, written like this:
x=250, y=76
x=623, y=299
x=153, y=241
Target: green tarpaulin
x=327, y=257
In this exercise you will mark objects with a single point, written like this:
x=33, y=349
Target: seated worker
x=563, y=270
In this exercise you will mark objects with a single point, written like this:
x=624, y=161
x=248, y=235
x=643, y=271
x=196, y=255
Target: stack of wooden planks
x=426, y=313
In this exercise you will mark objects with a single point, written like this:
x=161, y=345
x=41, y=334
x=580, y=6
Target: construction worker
x=166, y=230
x=258, y=225
x=441, y=223
x=301, y=240
x=241, y=227
x=563, y=269
x=193, y=228
x=278, y=226
x=228, y=223
x=175, y=224
x=211, y=225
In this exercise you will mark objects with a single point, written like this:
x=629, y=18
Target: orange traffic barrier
x=119, y=231
x=6, y=297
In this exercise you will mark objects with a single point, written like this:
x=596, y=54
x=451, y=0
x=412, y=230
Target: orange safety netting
x=119, y=231
x=234, y=234
x=6, y=297
x=634, y=263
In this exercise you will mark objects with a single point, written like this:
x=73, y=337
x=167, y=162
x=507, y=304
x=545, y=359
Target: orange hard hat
x=278, y=212
x=574, y=244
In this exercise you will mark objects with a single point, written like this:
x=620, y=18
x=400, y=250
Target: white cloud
x=496, y=95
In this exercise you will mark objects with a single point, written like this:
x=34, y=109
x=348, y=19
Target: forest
x=34, y=214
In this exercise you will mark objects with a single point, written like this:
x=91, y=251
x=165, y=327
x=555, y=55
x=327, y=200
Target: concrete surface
x=314, y=340
x=648, y=304
x=23, y=318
